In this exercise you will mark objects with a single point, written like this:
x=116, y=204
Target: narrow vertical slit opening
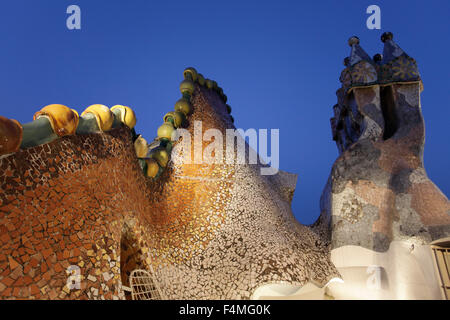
x=388, y=108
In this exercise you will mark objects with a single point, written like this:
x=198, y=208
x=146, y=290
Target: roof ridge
x=56, y=120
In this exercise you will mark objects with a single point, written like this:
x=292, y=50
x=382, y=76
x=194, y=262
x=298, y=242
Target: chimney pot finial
x=387, y=36
x=353, y=40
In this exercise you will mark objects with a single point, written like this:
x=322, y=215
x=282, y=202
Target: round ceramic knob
x=177, y=118
x=192, y=72
x=152, y=168
x=387, y=36
x=209, y=83
x=166, y=131
x=103, y=116
x=181, y=116
x=378, y=57
x=141, y=147
x=353, y=40
x=10, y=135
x=126, y=115
x=187, y=87
x=184, y=106
x=200, y=79
x=64, y=121
x=161, y=155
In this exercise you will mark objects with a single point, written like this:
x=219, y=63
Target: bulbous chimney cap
x=378, y=57
x=353, y=40
x=387, y=36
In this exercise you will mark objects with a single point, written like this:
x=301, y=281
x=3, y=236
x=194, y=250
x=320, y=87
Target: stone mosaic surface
x=62, y=204
x=208, y=231
x=242, y=235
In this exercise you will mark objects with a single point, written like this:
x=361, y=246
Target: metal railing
x=144, y=286
x=442, y=258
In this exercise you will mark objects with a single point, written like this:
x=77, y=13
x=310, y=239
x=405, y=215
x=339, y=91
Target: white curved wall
x=405, y=271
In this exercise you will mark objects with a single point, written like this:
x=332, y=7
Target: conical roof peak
x=391, y=49
x=357, y=53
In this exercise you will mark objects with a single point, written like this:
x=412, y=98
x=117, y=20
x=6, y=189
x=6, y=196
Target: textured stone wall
x=378, y=190
x=64, y=204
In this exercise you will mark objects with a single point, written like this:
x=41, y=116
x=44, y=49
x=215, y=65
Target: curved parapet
x=80, y=211
x=222, y=230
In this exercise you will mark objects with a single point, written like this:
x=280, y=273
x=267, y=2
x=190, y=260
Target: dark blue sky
x=277, y=61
